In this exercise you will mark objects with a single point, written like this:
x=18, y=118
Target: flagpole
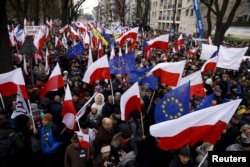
x=204, y=158
x=2, y=100
x=32, y=119
x=151, y=100
x=142, y=125
x=111, y=86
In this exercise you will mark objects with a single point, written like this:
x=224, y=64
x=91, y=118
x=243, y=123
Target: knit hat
x=241, y=109
x=185, y=151
x=48, y=117
x=93, y=105
x=105, y=149
x=74, y=138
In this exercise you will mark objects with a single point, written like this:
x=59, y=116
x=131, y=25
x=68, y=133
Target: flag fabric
x=205, y=102
x=81, y=27
x=204, y=125
x=207, y=51
x=97, y=35
x=82, y=110
x=90, y=59
x=47, y=66
x=64, y=29
x=174, y=104
x=169, y=72
x=179, y=42
x=110, y=40
x=39, y=41
x=73, y=33
x=97, y=71
x=160, y=42
x=76, y=50
x=209, y=65
x=230, y=58
x=9, y=82
x=196, y=84
x=131, y=34
x=130, y=101
x=54, y=82
x=68, y=110
x=145, y=43
x=21, y=105
x=140, y=76
x=83, y=139
x=122, y=64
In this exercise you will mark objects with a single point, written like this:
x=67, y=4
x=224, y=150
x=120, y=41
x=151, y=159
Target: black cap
x=185, y=151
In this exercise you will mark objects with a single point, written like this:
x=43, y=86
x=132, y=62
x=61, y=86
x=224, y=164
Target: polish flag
x=179, y=42
x=130, y=101
x=55, y=81
x=160, y=42
x=169, y=72
x=39, y=41
x=191, y=51
x=209, y=65
x=100, y=49
x=49, y=23
x=196, y=84
x=83, y=139
x=68, y=110
x=131, y=34
x=203, y=125
x=64, y=29
x=73, y=33
x=57, y=41
x=81, y=27
x=112, y=53
x=97, y=71
x=9, y=82
x=86, y=39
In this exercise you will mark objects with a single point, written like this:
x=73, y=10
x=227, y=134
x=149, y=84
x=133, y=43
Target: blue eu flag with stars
x=77, y=49
x=174, y=104
x=122, y=64
x=205, y=102
x=140, y=76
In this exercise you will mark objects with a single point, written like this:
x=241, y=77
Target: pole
x=151, y=100
x=2, y=100
x=112, y=91
x=31, y=114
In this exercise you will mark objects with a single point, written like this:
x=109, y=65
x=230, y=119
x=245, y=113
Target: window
x=191, y=12
x=187, y=12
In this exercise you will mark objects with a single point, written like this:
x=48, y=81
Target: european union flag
x=140, y=76
x=205, y=102
x=144, y=46
x=174, y=104
x=78, y=49
x=122, y=64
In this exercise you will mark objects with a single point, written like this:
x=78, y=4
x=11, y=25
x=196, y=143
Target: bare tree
x=219, y=8
x=120, y=10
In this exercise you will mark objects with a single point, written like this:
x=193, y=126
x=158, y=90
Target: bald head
x=107, y=123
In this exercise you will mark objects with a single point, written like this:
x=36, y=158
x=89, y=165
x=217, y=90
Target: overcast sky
x=88, y=5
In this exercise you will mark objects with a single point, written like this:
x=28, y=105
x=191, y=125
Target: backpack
x=7, y=146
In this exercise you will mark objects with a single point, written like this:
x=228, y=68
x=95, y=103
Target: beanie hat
x=105, y=149
x=48, y=117
x=94, y=106
x=185, y=151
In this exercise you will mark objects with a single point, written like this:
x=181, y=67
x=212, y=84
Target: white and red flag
x=81, y=27
x=64, y=29
x=97, y=71
x=54, y=82
x=170, y=73
x=209, y=41
x=130, y=101
x=209, y=65
x=68, y=110
x=160, y=42
x=39, y=40
x=83, y=139
x=179, y=42
x=9, y=82
x=230, y=58
x=207, y=51
x=73, y=33
x=196, y=84
x=131, y=34
x=203, y=125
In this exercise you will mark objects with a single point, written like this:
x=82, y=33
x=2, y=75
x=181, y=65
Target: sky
x=88, y=5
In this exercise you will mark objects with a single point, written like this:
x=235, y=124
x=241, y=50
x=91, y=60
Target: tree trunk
x=6, y=63
x=64, y=15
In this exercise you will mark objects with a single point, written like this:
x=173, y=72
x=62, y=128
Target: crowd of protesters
x=114, y=142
